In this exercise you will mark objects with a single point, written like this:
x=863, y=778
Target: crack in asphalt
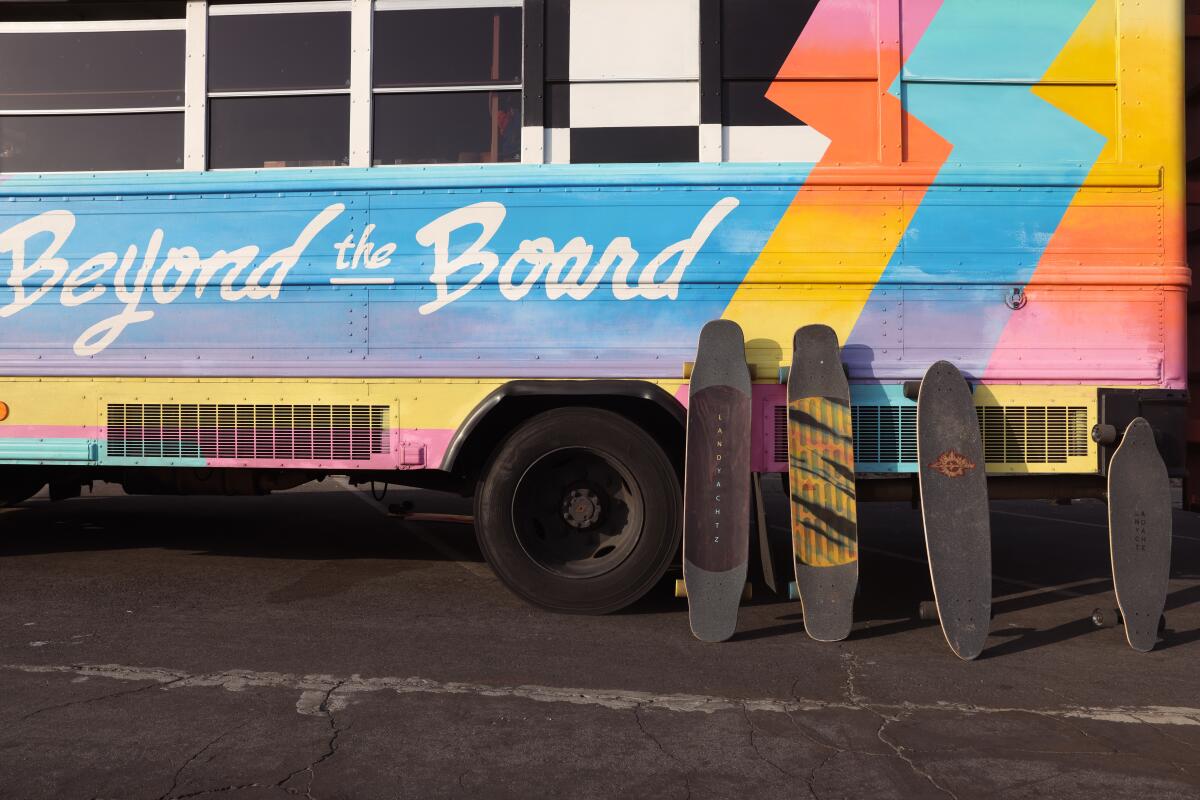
x=325, y=708
x=1107, y=745
x=852, y=695
x=330, y=747
x=334, y=692
x=834, y=750
x=687, y=779
x=754, y=743
x=223, y=789
x=97, y=698
x=899, y=750
x=169, y=794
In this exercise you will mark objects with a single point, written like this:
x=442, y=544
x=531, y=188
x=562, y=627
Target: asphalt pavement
x=309, y=644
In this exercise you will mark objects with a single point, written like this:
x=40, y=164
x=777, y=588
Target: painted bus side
x=1003, y=187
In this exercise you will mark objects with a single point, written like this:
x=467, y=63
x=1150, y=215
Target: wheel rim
x=577, y=512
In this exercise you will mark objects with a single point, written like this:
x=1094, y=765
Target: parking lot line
x=616, y=699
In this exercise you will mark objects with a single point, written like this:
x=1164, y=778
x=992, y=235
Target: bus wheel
x=579, y=511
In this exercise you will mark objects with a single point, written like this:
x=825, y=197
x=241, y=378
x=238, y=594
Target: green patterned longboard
x=821, y=480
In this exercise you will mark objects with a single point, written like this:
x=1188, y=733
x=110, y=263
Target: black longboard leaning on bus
x=716, y=493
x=954, y=508
x=1139, y=531
x=821, y=484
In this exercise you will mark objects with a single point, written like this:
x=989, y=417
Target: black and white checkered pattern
x=611, y=81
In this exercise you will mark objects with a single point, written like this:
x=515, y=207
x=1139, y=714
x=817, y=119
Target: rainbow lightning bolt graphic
x=970, y=79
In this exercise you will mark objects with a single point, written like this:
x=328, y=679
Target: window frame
x=426, y=5
x=266, y=9
x=101, y=26
x=196, y=155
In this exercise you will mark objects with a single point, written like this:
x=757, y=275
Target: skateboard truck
x=927, y=611
x=681, y=590
x=1110, y=617
x=913, y=388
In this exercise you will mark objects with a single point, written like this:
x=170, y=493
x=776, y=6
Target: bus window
x=91, y=96
x=278, y=82
x=447, y=85
x=284, y=131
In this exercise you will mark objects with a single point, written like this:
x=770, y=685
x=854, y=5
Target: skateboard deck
x=821, y=484
x=716, y=488
x=954, y=508
x=1139, y=531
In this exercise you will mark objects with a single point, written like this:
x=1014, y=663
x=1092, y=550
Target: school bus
x=469, y=245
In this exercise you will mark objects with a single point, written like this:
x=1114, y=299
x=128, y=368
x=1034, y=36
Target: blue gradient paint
x=364, y=328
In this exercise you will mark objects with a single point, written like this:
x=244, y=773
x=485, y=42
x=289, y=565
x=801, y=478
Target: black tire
x=579, y=511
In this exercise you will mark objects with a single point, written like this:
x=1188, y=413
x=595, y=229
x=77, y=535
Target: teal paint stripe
x=40, y=451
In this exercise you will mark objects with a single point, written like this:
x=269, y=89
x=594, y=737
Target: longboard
x=821, y=480
x=1139, y=533
x=716, y=487
x=954, y=508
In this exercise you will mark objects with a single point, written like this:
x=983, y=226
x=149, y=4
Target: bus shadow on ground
x=317, y=524
x=1038, y=561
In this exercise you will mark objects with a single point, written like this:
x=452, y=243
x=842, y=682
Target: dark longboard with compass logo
x=821, y=483
x=716, y=489
x=954, y=508
x=1139, y=530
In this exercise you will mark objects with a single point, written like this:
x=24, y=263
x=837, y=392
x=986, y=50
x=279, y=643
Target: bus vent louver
x=1033, y=434
x=1011, y=434
x=781, y=436
x=885, y=434
x=247, y=432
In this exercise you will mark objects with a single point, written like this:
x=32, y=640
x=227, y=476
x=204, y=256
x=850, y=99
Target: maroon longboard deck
x=716, y=495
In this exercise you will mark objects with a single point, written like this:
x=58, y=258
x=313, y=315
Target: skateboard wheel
x=747, y=591
x=1104, y=434
x=927, y=611
x=793, y=591
x=1106, y=617
x=680, y=589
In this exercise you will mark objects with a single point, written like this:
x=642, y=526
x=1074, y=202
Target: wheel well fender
x=646, y=404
